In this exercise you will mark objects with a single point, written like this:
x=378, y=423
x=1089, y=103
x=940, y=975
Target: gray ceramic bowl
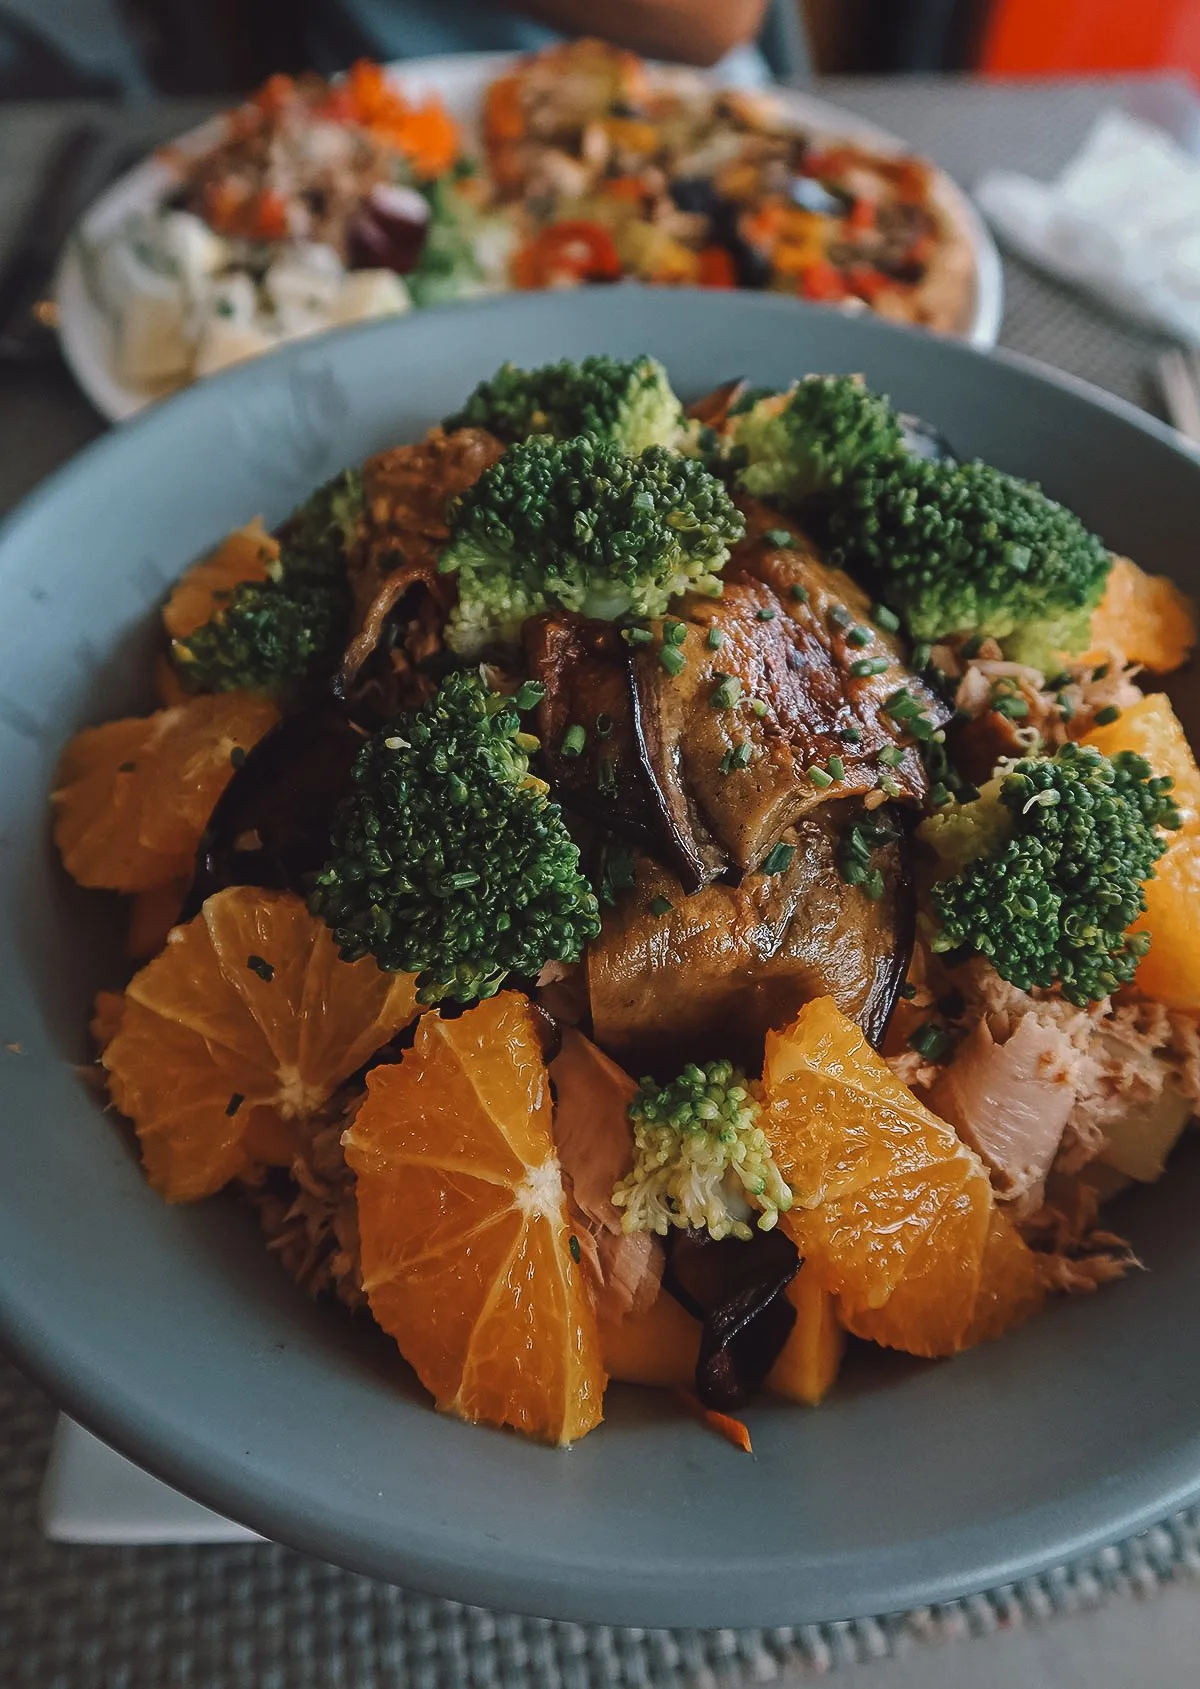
x=175, y=1336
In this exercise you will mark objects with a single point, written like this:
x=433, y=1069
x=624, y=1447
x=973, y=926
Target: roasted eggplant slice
x=736, y=1290
x=584, y=667
x=675, y=978
x=773, y=687
x=271, y=825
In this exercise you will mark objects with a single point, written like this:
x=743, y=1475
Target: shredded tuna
x=1077, y=1255
x=308, y=1214
x=1010, y=1101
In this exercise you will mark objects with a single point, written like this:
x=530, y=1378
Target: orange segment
x=246, y=1021
x=466, y=1238
x=1170, y=970
x=134, y=796
x=893, y=1214
x=1144, y=617
x=152, y=914
x=244, y=555
x=809, y=1361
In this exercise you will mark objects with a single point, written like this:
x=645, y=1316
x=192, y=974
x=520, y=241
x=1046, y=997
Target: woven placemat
x=261, y=1617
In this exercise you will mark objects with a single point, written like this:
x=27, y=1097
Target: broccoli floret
x=273, y=635
x=580, y=524
x=964, y=548
x=447, y=860
x=625, y=402
x=809, y=442
x=700, y=1159
x=1043, y=872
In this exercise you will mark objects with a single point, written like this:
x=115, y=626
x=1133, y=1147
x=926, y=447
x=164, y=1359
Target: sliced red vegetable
x=820, y=281
x=716, y=268
x=733, y=1430
x=576, y=250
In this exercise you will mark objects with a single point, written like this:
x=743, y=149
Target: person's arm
x=693, y=31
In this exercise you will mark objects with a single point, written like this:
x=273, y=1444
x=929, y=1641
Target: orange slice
x=1147, y=618
x=244, y=555
x=1170, y=969
x=893, y=1214
x=466, y=1239
x=134, y=796
x=246, y=1022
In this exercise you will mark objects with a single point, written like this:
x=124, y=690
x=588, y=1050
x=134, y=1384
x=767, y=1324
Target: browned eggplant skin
x=713, y=973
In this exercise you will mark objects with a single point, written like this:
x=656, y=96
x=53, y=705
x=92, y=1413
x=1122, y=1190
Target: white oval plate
x=86, y=333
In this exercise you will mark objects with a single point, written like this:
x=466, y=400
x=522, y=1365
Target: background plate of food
x=744, y=739
x=314, y=206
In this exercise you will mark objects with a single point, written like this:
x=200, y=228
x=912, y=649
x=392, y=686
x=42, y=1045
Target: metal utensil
x=29, y=263
x=1179, y=378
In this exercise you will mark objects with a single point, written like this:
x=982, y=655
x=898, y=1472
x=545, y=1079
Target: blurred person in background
x=132, y=48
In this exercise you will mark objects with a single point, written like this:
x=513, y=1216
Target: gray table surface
x=264, y=1618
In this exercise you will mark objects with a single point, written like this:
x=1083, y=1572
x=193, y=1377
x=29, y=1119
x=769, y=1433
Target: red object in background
x=1032, y=37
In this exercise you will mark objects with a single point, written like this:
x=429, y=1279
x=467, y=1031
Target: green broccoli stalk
x=580, y=524
x=275, y=635
x=1042, y=874
x=626, y=403
x=809, y=442
x=700, y=1158
x=967, y=549
x=447, y=860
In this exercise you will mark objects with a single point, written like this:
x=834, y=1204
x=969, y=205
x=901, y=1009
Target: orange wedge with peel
x=467, y=1254
x=893, y=1214
x=246, y=1023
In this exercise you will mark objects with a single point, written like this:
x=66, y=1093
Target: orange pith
x=466, y=1237
x=1170, y=970
x=244, y=555
x=245, y=1023
x=893, y=1213
x=135, y=795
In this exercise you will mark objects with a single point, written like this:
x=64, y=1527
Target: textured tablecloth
x=264, y=1618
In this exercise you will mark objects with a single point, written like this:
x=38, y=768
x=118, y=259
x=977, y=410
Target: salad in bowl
x=637, y=892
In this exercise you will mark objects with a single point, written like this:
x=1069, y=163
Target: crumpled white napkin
x=1122, y=221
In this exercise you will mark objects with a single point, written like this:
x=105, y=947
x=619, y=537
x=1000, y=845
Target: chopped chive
x=260, y=966
x=778, y=858
x=837, y=768
x=661, y=906
x=891, y=756
x=1065, y=705
x=606, y=777
x=972, y=647
x=758, y=707
x=604, y=726
x=1101, y=673
x=873, y=885
x=864, y=666
x=672, y=659
x=820, y=779
x=860, y=637
x=235, y=1102
x=637, y=636
x=1057, y=681
x=765, y=615
x=725, y=766
x=529, y=693
x=742, y=754
x=888, y=785
x=126, y=767
x=573, y=740
x=237, y=757
x=839, y=616
x=920, y=655
x=781, y=538
x=1109, y=713
x=1014, y=707
x=674, y=633
x=798, y=592
x=726, y=693
x=931, y=1041
x=573, y=1246
x=908, y=989
x=715, y=638
x=940, y=796
x=852, y=735
x=886, y=619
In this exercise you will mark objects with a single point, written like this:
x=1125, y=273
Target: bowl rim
x=597, y=1589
